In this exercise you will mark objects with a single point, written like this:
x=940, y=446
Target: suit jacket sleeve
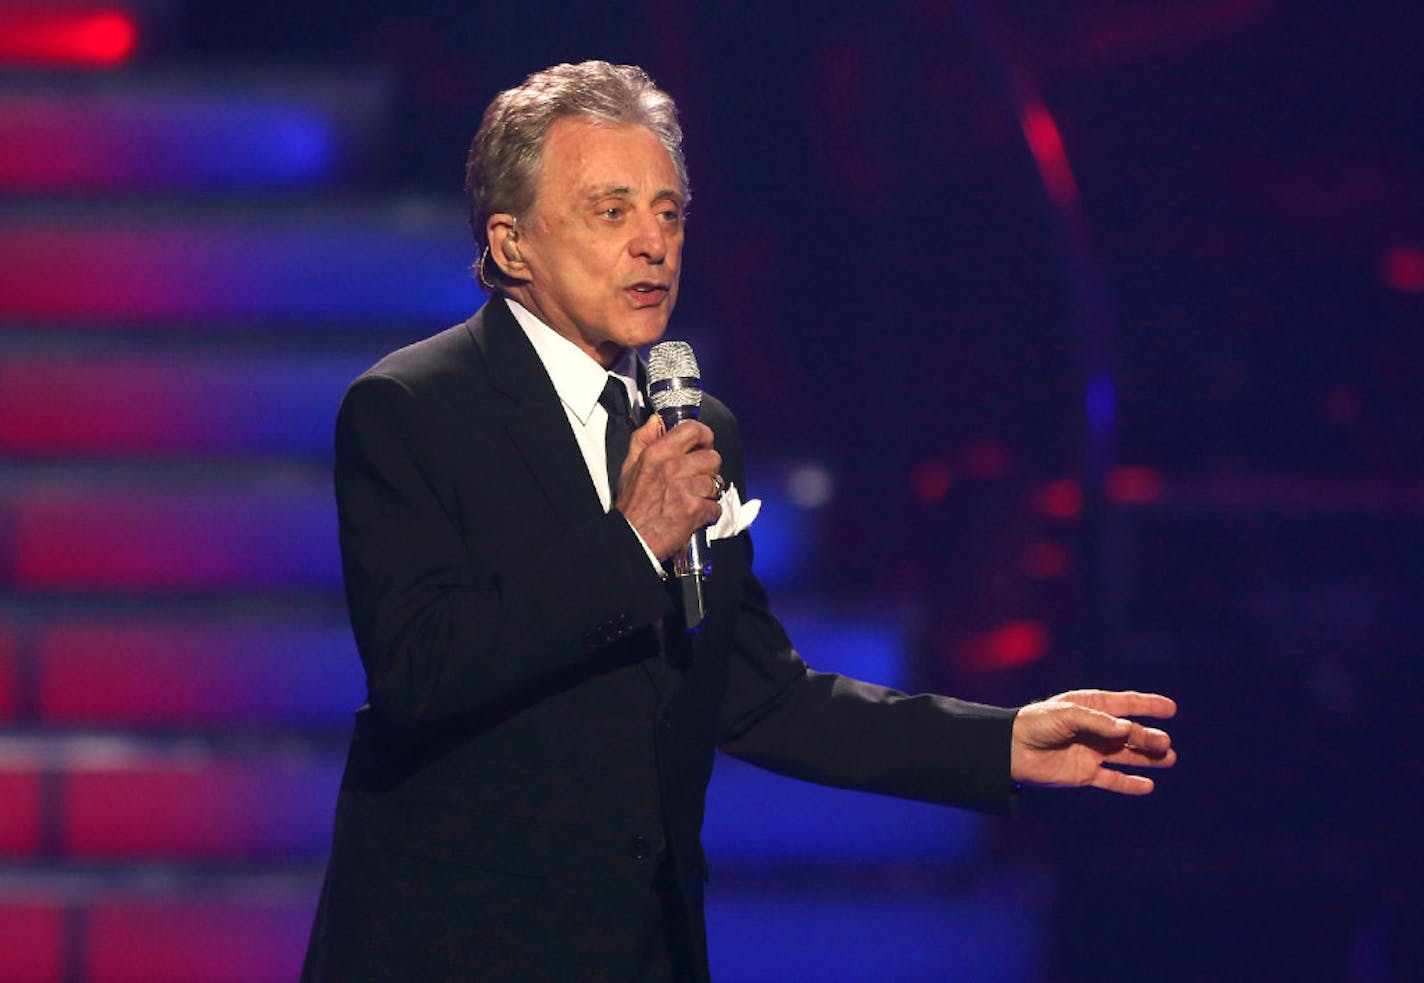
x=834, y=730
x=444, y=631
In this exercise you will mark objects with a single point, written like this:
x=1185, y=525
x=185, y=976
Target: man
x=524, y=792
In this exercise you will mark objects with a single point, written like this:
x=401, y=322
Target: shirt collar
x=578, y=379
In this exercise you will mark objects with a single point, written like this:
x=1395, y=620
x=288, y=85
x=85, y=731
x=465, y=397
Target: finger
x=1122, y=703
x=700, y=486
x=703, y=464
x=691, y=471
x=680, y=442
x=1083, y=720
x=693, y=489
x=1121, y=782
x=690, y=434
x=710, y=512
x=1133, y=758
x=1148, y=739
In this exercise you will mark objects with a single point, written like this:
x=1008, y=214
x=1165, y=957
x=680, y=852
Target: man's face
x=603, y=243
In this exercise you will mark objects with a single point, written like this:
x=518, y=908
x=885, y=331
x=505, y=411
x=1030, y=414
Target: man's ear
x=503, y=236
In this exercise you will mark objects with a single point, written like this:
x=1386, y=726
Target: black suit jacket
x=528, y=751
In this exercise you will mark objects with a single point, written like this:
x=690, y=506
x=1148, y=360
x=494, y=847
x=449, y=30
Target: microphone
x=675, y=389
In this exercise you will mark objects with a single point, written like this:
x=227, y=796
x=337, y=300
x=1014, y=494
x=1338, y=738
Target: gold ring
x=719, y=486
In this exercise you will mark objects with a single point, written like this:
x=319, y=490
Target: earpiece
x=511, y=252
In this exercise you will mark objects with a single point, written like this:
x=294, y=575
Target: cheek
x=600, y=265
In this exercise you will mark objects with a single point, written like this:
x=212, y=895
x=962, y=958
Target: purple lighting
x=1101, y=399
x=185, y=140
x=321, y=267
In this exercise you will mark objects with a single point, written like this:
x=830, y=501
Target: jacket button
x=639, y=847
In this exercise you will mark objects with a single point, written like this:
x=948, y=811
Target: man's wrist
x=652, y=557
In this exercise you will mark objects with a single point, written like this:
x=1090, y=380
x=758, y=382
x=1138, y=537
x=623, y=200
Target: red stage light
x=99, y=38
x=985, y=459
x=930, y=481
x=1404, y=269
x=108, y=38
x=1134, y=485
x=1045, y=142
x=1044, y=559
x=1009, y=646
x=1061, y=499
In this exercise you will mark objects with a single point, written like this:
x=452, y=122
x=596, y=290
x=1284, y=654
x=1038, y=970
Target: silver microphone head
x=674, y=382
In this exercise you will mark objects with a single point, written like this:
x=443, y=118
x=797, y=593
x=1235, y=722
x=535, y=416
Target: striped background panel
x=32, y=940
x=193, y=535
x=200, y=404
x=181, y=133
x=9, y=674
x=198, y=940
x=21, y=811
x=277, y=264
x=149, y=673
x=201, y=807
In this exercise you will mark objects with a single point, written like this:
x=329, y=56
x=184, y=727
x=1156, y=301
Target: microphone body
x=675, y=390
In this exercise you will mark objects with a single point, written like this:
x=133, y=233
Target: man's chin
x=642, y=333
x=609, y=351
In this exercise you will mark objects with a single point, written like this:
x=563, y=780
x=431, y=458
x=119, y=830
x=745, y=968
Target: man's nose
x=649, y=241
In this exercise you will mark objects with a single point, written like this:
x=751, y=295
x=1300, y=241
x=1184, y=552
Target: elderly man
x=524, y=792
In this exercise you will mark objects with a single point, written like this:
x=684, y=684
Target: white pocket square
x=736, y=515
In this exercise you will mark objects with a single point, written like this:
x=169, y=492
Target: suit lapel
x=539, y=429
x=538, y=425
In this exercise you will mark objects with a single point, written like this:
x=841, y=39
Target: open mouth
x=647, y=293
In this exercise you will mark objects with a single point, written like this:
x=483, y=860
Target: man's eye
x=612, y=213
x=671, y=215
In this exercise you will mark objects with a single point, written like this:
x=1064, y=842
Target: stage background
x=1072, y=344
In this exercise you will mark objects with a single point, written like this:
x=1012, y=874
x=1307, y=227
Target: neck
x=605, y=353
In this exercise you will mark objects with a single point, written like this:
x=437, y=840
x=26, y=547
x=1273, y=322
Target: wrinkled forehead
x=583, y=155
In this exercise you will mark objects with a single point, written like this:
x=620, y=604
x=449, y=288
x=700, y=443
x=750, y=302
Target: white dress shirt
x=579, y=381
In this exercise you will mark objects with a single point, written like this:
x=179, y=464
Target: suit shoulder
x=728, y=437
x=432, y=362
x=716, y=414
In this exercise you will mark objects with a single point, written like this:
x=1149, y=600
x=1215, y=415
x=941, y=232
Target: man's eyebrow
x=610, y=191
x=624, y=191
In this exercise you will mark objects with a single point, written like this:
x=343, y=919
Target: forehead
x=583, y=156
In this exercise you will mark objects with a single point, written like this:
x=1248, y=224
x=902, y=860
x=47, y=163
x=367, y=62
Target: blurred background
x=1073, y=344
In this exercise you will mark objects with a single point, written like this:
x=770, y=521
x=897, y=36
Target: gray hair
x=503, y=167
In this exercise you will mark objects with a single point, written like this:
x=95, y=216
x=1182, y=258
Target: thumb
x=642, y=438
x=650, y=431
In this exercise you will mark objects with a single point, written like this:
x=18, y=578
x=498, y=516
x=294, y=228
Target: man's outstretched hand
x=1080, y=738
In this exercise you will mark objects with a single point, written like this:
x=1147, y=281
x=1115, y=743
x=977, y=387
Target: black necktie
x=619, y=433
